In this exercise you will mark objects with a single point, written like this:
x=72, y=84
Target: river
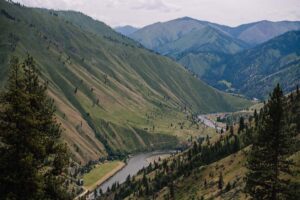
x=134, y=164
x=208, y=122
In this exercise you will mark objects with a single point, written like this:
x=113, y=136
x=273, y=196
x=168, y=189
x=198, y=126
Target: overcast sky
x=143, y=12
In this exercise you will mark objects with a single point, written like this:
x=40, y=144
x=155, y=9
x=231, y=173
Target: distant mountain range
x=113, y=96
x=255, y=71
x=207, y=49
x=126, y=30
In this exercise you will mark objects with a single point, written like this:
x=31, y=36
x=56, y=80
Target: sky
x=139, y=13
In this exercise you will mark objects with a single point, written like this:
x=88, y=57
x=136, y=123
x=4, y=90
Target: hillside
x=112, y=96
x=198, y=45
x=212, y=168
x=203, y=181
x=186, y=35
x=249, y=59
x=256, y=71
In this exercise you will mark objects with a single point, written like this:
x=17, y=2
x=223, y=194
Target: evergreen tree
x=172, y=191
x=32, y=159
x=205, y=183
x=220, y=181
x=255, y=115
x=231, y=130
x=241, y=124
x=228, y=187
x=268, y=162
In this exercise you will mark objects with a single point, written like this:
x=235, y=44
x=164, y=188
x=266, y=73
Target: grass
x=232, y=168
x=100, y=173
x=137, y=85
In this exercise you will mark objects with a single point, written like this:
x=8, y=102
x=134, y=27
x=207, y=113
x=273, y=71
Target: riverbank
x=102, y=173
x=134, y=164
x=156, y=158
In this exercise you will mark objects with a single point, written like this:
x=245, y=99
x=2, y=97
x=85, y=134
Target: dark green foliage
x=228, y=187
x=241, y=124
x=32, y=158
x=231, y=130
x=268, y=163
x=220, y=181
x=172, y=192
x=255, y=117
x=295, y=109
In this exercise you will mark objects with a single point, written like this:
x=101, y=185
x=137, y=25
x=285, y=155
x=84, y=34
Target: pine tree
x=268, y=160
x=241, y=124
x=228, y=187
x=172, y=191
x=295, y=109
x=231, y=130
x=220, y=181
x=32, y=159
x=255, y=115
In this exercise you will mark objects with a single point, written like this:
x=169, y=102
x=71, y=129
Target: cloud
x=113, y=3
x=143, y=12
x=155, y=5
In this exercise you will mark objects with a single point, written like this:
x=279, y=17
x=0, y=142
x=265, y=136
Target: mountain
x=218, y=53
x=195, y=44
x=262, y=31
x=126, y=30
x=113, y=97
x=184, y=34
x=156, y=35
x=256, y=71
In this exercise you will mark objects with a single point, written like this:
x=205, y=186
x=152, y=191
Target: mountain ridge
x=206, y=53
x=113, y=97
x=126, y=30
x=265, y=65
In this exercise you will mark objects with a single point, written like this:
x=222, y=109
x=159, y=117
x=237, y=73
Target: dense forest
x=32, y=157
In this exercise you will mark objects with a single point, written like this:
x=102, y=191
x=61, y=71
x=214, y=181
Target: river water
x=134, y=164
x=208, y=122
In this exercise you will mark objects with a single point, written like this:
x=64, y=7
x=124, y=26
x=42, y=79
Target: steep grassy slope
x=112, y=95
x=193, y=187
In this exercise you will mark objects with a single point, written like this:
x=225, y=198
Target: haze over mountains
x=254, y=72
x=206, y=48
x=126, y=30
x=113, y=96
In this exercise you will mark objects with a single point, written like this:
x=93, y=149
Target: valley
x=176, y=109
x=113, y=97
